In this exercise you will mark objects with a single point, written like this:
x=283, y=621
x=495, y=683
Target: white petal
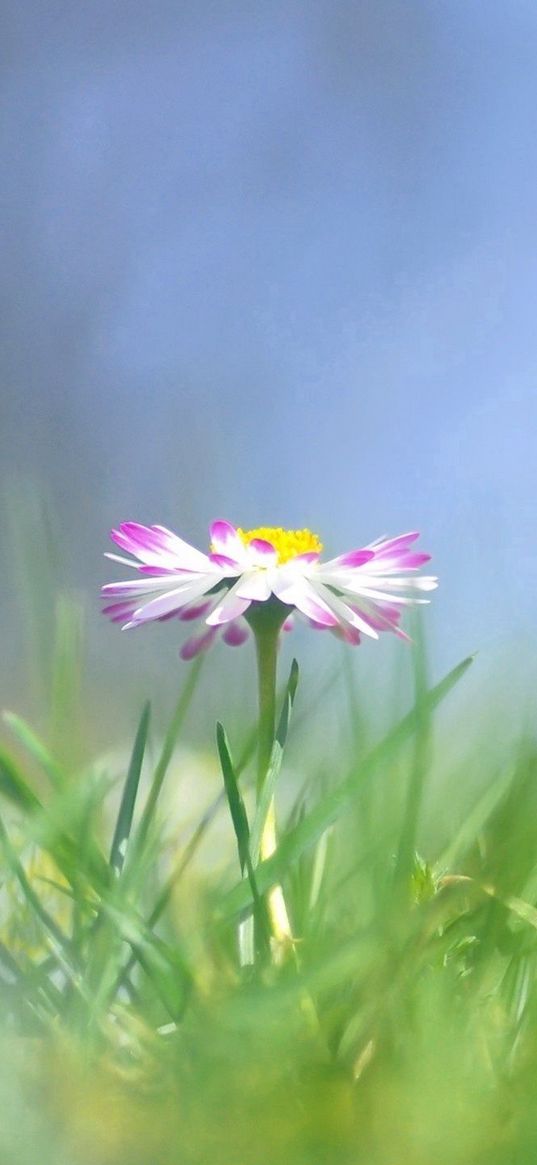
x=229, y=608
x=299, y=593
x=254, y=585
x=119, y=558
x=345, y=614
x=424, y=582
x=383, y=596
x=140, y=586
x=362, y=583
x=173, y=600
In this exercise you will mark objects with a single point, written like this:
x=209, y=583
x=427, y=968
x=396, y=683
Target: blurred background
x=275, y=263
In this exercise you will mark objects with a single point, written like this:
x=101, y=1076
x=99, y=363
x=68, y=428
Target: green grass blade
x=13, y=785
x=130, y=791
x=287, y=705
x=330, y=807
x=239, y=818
x=11, y=974
x=163, y=963
x=23, y=996
x=210, y=813
x=35, y=748
x=60, y=940
x=236, y=804
x=46, y=825
x=174, y=878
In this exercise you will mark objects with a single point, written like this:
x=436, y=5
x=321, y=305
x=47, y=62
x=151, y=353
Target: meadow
x=397, y=1022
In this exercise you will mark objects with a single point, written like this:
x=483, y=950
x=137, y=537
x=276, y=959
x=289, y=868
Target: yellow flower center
x=287, y=543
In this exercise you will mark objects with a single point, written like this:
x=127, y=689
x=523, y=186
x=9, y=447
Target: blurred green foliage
x=401, y=1027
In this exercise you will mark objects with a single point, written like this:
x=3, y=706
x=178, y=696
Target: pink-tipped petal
x=299, y=593
x=262, y=553
x=353, y=558
x=348, y=634
x=228, y=609
x=195, y=610
x=222, y=534
x=401, y=634
x=138, y=540
x=157, y=546
x=184, y=555
x=115, y=608
x=386, y=567
x=118, y=612
x=380, y=616
x=198, y=643
x=173, y=600
x=236, y=633
x=122, y=540
x=226, y=541
x=134, y=587
x=229, y=566
x=347, y=616
x=387, y=546
x=162, y=571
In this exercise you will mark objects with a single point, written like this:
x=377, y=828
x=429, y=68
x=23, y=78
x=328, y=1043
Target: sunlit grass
x=402, y=1025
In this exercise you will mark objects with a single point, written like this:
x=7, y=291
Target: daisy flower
x=362, y=592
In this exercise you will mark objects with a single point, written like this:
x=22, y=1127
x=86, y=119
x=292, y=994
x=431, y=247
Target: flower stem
x=266, y=643
x=266, y=623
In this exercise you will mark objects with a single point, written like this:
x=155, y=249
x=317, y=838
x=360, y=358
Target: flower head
x=359, y=593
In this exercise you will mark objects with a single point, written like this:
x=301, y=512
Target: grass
x=400, y=1027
